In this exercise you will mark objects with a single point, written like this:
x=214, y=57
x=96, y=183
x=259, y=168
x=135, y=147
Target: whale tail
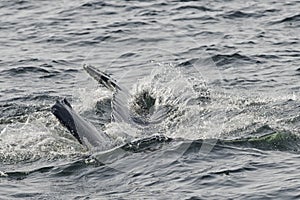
x=82, y=130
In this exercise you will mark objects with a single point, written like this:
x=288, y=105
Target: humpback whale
x=80, y=128
x=137, y=110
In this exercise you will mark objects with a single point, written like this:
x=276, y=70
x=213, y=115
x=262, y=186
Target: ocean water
x=225, y=76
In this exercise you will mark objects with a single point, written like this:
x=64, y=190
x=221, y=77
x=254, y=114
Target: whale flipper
x=121, y=96
x=103, y=78
x=82, y=130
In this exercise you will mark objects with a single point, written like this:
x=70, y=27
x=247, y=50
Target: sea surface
x=225, y=74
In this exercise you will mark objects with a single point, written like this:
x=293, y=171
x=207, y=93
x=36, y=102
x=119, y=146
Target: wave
x=204, y=19
x=225, y=59
x=194, y=7
x=279, y=141
x=24, y=70
x=43, y=71
x=239, y=14
x=294, y=18
x=98, y=4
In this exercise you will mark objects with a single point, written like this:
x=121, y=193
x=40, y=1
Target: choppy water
x=229, y=71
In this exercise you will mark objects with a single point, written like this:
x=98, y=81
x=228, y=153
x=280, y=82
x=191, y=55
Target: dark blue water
x=229, y=71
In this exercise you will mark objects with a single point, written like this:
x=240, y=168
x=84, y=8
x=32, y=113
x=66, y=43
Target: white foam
x=34, y=139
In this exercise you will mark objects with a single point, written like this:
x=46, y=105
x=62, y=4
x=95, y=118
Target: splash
x=36, y=139
x=175, y=102
x=178, y=103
